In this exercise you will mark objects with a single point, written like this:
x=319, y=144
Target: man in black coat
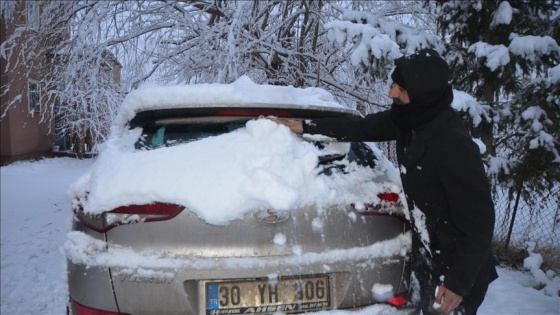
x=444, y=181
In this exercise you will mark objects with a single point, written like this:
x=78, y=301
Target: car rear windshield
x=171, y=132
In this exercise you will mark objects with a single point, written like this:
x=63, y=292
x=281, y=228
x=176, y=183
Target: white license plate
x=264, y=296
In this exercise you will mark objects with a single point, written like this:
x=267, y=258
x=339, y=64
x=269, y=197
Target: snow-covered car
x=198, y=203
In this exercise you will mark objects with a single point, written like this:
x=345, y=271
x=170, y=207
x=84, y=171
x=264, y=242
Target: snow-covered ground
x=35, y=217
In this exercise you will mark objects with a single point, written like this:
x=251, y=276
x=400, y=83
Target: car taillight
x=387, y=202
x=105, y=221
x=79, y=309
x=389, y=197
x=399, y=300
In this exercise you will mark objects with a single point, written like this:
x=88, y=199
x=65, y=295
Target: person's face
x=399, y=95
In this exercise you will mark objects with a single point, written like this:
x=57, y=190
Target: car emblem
x=271, y=216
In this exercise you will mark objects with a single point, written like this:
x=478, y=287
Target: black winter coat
x=443, y=176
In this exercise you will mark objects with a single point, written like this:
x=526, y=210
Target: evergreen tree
x=506, y=54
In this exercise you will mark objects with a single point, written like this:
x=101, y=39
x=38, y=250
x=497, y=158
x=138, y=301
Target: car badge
x=271, y=216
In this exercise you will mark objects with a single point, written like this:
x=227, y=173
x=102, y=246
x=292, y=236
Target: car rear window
x=164, y=135
x=171, y=132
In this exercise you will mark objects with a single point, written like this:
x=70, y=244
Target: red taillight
x=387, y=203
x=79, y=309
x=127, y=215
x=399, y=300
x=389, y=197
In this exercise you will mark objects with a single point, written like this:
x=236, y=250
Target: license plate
x=266, y=296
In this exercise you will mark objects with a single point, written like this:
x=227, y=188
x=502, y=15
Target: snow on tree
x=504, y=53
x=346, y=47
x=289, y=42
x=273, y=42
x=370, y=35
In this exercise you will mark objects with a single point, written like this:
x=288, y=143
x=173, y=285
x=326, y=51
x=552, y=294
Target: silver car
x=163, y=258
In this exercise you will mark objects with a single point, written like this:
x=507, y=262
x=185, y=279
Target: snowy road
x=35, y=217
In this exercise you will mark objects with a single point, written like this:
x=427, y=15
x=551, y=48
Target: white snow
x=83, y=249
x=480, y=144
x=496, y=55
x=262, y=165
x=382, y=292
x=532, y=47
x=535, y=113
x=241, y=91
x=499, y=163
x=503, y=14
x=465, y=102
x=375, y=35
x=527, y=47
x=549, y=279
x=280, y=239
x=538, y=116
x=420, y=226
x=373, y=40
x=36, y=211
x=36, y=217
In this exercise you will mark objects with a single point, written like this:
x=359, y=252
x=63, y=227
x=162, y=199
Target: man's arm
x=296, y=126
x=373, y=127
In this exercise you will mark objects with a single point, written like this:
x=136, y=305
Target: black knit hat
x=398, y=78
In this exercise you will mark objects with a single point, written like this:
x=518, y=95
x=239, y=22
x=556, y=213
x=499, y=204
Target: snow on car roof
x=239, y=93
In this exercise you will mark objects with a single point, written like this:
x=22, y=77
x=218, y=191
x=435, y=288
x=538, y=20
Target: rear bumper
x=148, y=283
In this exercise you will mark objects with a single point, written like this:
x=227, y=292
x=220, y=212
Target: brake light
x=387, y=203
x=128, y=215
x=389, y=197
x=79, y=309
x=399, y=300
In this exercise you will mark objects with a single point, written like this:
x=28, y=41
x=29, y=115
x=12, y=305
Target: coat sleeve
x=373, y=127
x=471, y=208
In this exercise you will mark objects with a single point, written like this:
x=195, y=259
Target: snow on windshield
x=260, y=166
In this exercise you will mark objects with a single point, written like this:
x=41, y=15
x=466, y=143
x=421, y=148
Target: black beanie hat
x=398, y=78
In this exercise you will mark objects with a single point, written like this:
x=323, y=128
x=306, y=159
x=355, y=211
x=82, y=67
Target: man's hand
x=446, y=300
x=296, y=126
